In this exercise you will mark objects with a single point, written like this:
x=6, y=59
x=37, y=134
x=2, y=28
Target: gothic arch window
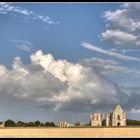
x=118, y=117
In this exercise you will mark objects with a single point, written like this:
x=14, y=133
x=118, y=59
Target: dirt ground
x=69, y=132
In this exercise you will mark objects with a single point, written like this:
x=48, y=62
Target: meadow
x=68, y=132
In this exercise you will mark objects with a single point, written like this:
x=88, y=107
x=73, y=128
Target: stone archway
x=118, y=124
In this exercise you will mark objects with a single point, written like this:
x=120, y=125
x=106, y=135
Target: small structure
x=64, y=124
x=2, y=124
x=96, y=119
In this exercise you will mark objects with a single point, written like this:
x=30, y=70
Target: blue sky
x=97, y=41
x=76, y=24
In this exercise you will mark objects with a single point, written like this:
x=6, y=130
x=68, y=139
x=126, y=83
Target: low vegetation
x=132, y=122
x=11, y=123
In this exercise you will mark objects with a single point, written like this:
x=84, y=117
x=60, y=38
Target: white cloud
x=120, y=37
x=25, y=48
x=23, y=45
x=124, y=51
x=123, y=25
x=58, y=84
x=8, y=8
x=126, y=18
x=3, y=70
x=109, y=53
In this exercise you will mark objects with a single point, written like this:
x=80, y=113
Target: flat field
x=69, y=132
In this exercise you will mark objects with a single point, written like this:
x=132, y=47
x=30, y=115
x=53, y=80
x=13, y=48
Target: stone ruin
x=115, y=118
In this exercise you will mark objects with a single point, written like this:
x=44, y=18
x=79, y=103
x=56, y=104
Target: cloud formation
x=123, y=25
x=109, y=53
x=23, y=45
x=108, y=67
x=60, y=85
x=8, y=8
x=120, y=37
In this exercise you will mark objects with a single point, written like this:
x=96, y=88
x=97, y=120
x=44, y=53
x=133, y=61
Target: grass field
x=69, y=132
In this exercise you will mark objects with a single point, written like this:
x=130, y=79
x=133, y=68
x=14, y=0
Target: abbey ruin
x=115, y=118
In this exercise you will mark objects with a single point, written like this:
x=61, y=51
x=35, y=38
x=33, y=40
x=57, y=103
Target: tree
x=37, y=123
x=31, y=124
x=10, y=123
x=132, y=122
x=26, y=124
x=41, y=124
x=21, y=124
x=77, y=123
x=52, y=124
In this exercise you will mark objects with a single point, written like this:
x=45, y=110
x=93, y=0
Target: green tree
x=77, y=123
x=10, y=123
x=52, y=124
x=21, y=124
x=132, y=122
x=37, y=123
x=41, y=124
x=31, y=124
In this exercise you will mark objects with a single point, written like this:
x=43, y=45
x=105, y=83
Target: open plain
x=69, y=132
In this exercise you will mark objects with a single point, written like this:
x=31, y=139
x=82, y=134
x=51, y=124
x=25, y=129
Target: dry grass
x=69, y=132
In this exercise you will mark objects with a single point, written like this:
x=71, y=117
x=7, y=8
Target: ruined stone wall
x=115, y=118
x=108, y=119
x=96, y=119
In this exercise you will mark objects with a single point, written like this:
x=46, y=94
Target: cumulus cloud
x=8, y=8
x=60, y=85
x=126, y=18
x=109, y=53
x=120, y=37
x=123, y=25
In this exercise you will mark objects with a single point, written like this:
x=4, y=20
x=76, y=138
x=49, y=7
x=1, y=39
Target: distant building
x=115, y=118
x=2, y=124
x=96, y=119
x=64, y=124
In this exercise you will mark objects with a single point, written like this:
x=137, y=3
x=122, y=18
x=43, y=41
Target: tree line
x=11, y=123
x=132, y=122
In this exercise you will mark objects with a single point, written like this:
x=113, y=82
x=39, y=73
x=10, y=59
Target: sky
x=63, y=61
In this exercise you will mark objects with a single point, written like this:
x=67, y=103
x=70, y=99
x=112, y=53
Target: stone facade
x=96, y=119
x=118, y=117
x=115, y=118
